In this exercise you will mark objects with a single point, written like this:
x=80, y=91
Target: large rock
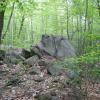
x=56, y=46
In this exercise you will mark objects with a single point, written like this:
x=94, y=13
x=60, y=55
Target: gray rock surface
x=56, y=46
x=13, y=56
x=32, y=60
x=2, y=54
x=54, y=69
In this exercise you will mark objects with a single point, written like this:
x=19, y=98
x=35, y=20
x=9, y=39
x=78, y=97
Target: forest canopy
x=27, y=20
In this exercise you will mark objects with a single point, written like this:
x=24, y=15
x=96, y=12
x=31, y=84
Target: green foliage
x=13, y=81
x=51, y=17
x=2, y=5
x=77, y=81
x=84, y=68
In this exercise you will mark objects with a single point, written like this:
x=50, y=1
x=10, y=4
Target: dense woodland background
x=26, y=20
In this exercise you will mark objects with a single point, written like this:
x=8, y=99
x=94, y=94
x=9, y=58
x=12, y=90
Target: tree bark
x=2, y=11
x=22, y=23
x=1, y=24
x=98, y=4
x=67, y=20
x=9, y=21
x=86, y=14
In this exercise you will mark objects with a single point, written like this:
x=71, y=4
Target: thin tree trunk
x=85, y=27
x=78, y=40
x=21, y=26
x=32, y=30
x=42, y=27
x=77, y=24
x=98, y=3
x=89, y=25
x=80, y=23
x=67, y=20
x=86, y=14
x=9, y=20
x=92, y=21
x=61, y=25
x=46, y=24
x=1, y=24
x=56, y=20
x=71, y=37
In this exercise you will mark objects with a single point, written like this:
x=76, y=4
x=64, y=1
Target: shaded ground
x=21, y=82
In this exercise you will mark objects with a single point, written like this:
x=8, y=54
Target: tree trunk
x=89, y=25
x=1, y=24
x=80, y=23
x=22, y=23
x=86, y=14
x=67, y=20
x=9, y=20
x=98, y=4
x=2, y=11
x=71, y=37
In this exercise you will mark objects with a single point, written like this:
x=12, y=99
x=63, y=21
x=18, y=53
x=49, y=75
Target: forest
x=49, y=49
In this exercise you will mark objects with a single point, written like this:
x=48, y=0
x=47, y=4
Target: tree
x=2, y=11
x=98, y=4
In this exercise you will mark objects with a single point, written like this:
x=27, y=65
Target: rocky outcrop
x=56, y=46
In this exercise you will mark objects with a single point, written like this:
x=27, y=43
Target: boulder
x=56, y=46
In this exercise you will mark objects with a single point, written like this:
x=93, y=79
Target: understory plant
x=83, y=71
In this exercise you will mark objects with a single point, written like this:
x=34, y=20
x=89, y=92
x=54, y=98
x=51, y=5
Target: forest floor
x=19, y=82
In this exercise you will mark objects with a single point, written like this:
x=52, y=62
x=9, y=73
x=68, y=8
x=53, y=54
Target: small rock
x=26, y=54
x=32, y=60
x=45, y=97
x=39, y=79
x=34, y=71
x=42, y=63
x=53, y=93
x=35, y=51
x=2, y=54
x=13, y=81
x=13, y=57
x=94, y=96
x=54, y=70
